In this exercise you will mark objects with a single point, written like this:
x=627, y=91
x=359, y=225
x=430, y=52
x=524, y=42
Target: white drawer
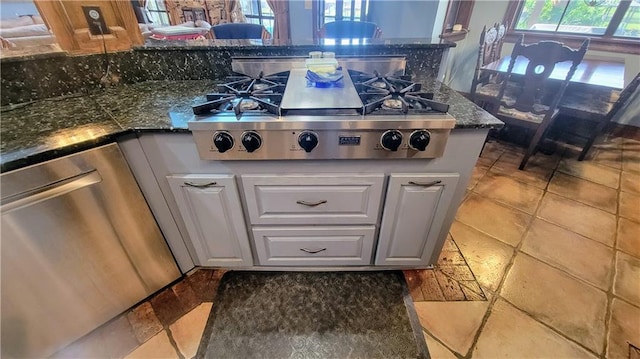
x=314, y=246
x=313, y=199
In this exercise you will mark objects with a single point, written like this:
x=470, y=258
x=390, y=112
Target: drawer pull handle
x=201, y=185
x=312, y=251
x=311, y=204
x=427, y=184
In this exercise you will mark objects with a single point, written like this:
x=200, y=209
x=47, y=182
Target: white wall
x=406, y=19
x=462, y=58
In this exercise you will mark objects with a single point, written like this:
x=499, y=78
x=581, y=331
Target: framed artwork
x=194, y=14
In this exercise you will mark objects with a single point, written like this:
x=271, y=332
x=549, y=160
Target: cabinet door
x=210, y=208
x=414, y=210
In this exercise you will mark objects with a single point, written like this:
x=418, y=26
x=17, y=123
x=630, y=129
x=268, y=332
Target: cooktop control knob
x=391, y=140
x=308, y=140
x=223, y=141
x=419, y=140
x=251, y=140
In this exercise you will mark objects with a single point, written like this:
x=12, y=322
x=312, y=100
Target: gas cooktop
x=283, y=115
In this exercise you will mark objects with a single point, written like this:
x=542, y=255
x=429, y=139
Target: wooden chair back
x=542, y=56
x=489, y=50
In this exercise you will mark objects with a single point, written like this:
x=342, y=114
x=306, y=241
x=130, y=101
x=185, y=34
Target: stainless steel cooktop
x=284, y=115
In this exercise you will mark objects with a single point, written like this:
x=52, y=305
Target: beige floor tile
x=437, y=350
x=624, y=327
x=590, y=171
x=487, y=257
x=571, y=252
x=187, y=331
x=509, y=191
x=504, y=223
x=629, y=237
x=584, y=191
x=630, y=206
x=510, y=333
x=534, y=175
x=157, y=347
x=610, y=157
x=453, y=323
x=631, y=158
x=553, y=297
x=537, y=160
x=630, y=182
x=627, y=281
x=478, y=172
x=585, y=220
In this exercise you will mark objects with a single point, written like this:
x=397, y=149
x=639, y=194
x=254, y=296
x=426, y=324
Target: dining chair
x=240, y=31
x=485, y=83
x=350, y=30
x=596, y=106
x=534, y=103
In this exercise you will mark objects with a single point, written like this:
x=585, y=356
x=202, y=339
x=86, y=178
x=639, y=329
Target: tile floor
x=542, y=263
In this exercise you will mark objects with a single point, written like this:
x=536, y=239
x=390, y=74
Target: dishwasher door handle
x=49, y=191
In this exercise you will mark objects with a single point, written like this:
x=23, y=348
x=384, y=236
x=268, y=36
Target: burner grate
x=394, y=94
x=243, y=94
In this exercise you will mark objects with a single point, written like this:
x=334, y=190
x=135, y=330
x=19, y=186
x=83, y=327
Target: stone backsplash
x=38, y=77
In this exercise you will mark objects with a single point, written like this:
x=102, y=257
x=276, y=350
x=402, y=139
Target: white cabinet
x=315, y=219
x=212, y=213
x=414, y=211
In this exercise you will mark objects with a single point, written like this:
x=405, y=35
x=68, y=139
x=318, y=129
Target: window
x=336, y=10
x=258, y=12
x=588, y=17
x=612, y=25
x=158, y=12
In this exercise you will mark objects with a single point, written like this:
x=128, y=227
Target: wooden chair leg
x=534, y=143
x=591, y=139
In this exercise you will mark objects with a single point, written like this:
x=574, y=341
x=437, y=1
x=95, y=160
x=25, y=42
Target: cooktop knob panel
x=308, y=140
x=223, y=141
x=251, y=140
x=391, y=140
x=419, y=140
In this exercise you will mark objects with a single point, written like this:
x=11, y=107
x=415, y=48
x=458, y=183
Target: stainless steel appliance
x=271, y=111
x=79, y=246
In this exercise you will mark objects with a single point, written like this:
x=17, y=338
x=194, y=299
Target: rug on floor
x=313, y=315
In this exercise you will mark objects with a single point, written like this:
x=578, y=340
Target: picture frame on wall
x=194, y=14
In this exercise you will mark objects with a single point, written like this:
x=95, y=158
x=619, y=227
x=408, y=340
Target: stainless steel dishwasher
x=78, y=247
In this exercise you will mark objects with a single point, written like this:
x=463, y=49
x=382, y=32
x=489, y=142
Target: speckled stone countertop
x=42, y=130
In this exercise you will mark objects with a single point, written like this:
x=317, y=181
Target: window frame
x=458, y=12
x=606, y=42
x=260, y=16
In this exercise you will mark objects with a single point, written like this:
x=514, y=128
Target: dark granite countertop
x=46, y=129
x=298, y=44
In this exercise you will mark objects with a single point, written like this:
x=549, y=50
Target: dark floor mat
x=312, y=315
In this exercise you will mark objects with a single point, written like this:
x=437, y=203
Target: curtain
x=280, y=10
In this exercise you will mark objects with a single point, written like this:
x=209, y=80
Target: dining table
x=603, y=73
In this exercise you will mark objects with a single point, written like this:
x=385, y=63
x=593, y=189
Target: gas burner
x=391, y=94
x=379, y=84
x=242, y=94
x=391, y=104
x=248, y=104
x=260, y=86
